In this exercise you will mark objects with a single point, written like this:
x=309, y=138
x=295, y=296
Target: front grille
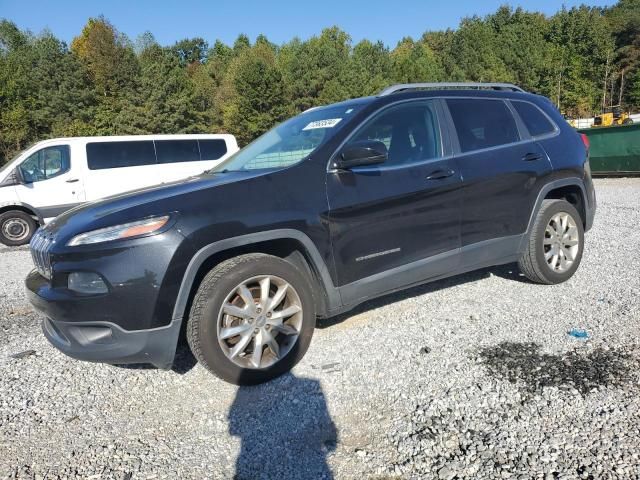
x=40, y=245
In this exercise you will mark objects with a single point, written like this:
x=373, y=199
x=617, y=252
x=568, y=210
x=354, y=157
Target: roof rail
x=447, y=85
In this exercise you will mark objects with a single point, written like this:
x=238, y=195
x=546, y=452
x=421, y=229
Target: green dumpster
x=614, y=150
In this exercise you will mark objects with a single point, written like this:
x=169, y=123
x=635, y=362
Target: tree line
x=103, y=83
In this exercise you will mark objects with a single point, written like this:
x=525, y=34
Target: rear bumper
x=99, y=340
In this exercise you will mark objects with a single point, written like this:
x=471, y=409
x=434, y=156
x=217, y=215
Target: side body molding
x=333, y=296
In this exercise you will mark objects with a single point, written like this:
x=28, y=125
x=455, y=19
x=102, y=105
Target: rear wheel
x=252, y=319
x=627, y=121
x=555, y=245
x=16, y=228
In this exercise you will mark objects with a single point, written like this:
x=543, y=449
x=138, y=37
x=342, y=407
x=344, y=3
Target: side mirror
x=14, y=178
x=365, y=152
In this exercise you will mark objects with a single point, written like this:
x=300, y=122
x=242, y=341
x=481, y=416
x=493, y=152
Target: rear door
x=501, y=167
x=120, y=166
x=399, y=213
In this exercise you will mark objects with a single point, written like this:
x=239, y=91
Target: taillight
x=585, y=140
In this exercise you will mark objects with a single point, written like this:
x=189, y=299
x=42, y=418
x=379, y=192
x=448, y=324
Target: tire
x=222, y=287
x=534, y=263
x=627, y=121
x=16, y=228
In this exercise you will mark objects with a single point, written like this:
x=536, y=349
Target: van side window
x=212, y=149
x=482, y=123
x=177, y=151
x=102, y=155
x=536, y=122
x=409, y=131
x=46, y=163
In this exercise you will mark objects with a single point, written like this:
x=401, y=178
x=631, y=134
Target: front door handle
x=73, y=180
x=440, y=174
x=532, y=157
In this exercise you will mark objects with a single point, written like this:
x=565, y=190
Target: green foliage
x=582, y=58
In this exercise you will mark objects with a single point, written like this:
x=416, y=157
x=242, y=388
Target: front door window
x=46, y=163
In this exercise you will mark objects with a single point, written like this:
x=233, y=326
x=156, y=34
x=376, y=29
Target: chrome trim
x=40, y=245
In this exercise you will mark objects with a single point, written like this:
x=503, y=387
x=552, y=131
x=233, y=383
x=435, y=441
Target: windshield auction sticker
x=328, y=123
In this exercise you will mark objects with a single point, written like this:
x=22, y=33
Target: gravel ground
x=471, y=377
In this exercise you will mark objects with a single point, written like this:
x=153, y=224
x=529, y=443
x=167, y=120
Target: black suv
x=335, y=206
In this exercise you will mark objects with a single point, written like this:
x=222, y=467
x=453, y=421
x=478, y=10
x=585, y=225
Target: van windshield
x=291, y=141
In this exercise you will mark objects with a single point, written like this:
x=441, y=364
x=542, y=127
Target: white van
x=55, y=175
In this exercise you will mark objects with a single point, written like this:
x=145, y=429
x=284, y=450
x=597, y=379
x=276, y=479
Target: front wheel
x=555, y=245
x=16, y=228
x=252, y=319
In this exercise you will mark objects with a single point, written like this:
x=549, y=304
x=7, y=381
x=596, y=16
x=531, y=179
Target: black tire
x=532, y=263
x=627, y=121
x=16, y=228
x=202, y=331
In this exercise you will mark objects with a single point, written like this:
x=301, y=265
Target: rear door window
x=482, y=123
x=536, y=122
x=177, y=151
x=103, y=155
x=212, y=149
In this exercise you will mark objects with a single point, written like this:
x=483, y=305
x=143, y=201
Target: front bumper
x=99, y=340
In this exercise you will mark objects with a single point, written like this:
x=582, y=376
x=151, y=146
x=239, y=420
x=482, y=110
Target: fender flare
x=563, y=182
x=333, y=296
x=35, y=211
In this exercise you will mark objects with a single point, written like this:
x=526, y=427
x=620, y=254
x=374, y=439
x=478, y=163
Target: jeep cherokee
x=333, y=207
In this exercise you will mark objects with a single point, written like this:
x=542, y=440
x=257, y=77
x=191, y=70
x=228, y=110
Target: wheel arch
x=291, y=245
x=23, y=207
x=570, y=189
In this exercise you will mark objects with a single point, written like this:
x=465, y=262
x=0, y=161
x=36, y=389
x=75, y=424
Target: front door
x=52, y=182
x=402, y=215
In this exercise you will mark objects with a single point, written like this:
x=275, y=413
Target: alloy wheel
x=259, y=322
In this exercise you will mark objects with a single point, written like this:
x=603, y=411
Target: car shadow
x=508, y=272
x=184, y=360
x=285, y=430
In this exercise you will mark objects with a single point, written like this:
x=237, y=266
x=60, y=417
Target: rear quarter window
x=104, y=155
x=212, y=149
x=482, y=123
x=536, y=122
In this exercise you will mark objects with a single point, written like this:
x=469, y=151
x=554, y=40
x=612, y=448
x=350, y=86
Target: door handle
x=532, y=157
x=73, y=180
x=440, y=174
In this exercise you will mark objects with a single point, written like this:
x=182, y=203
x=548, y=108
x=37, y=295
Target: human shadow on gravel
x=523, y=364
x=503, y=271
x=284, y=428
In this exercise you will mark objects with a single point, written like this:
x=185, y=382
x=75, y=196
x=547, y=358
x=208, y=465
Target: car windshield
x=291, y=141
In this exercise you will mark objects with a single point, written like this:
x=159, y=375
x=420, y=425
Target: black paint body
x=478, y=216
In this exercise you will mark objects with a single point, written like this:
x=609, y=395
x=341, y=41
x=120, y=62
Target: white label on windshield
x=328, y=123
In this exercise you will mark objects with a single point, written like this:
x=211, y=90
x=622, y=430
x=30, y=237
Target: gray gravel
x=471, y=377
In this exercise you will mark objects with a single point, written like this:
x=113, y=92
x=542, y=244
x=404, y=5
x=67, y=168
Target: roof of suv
x=421, y=90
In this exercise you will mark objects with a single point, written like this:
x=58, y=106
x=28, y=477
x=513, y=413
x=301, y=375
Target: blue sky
x=386, y=20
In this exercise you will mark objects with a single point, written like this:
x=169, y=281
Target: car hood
x=102, y=212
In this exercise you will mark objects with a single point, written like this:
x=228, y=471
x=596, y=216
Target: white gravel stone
x=470, y=377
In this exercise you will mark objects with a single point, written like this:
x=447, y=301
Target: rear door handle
x=73, y=180
x=440, y=174
x=532, y=157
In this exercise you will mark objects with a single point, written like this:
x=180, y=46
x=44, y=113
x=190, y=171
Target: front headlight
x=120, y=232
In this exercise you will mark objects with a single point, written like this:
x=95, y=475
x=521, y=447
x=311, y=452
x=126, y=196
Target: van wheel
x=252, y=319
x=16, y=228
x=555, y=245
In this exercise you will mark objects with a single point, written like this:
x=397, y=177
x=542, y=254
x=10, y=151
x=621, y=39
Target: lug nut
x=259, y=310
x=255, y=331
x=269, y=314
